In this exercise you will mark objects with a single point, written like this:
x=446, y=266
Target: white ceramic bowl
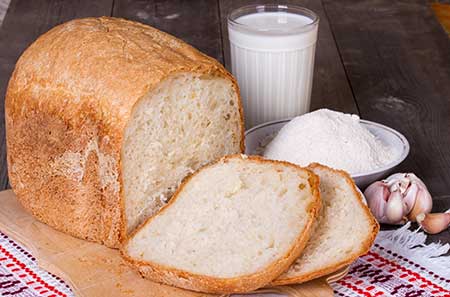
x=258, y=137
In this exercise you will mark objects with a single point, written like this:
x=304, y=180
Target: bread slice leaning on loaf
x=232, y=226
x=344, y=230
x=105, y=117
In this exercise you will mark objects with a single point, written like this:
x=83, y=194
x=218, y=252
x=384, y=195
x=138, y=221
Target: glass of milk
x=272, y=55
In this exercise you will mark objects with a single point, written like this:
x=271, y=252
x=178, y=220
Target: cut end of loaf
x=232, y=227
x=188, y=121
x=83, y=118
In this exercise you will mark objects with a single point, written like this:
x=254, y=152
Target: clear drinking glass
x=272, y=54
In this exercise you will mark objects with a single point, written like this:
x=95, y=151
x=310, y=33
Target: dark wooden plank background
x=398, y=61
x=387, y=60
x=196, y=22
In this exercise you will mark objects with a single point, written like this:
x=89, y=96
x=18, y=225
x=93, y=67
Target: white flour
x=330, y=138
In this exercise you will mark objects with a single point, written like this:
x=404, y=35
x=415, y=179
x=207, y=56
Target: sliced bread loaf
x=104, y=119
x=344, y=230
x=232, y=226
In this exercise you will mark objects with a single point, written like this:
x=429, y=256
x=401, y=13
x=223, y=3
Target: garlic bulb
x=398, y=198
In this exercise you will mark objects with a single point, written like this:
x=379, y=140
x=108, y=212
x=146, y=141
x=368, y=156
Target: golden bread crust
x=67, y=106
x=336, y=266
x=202, y=283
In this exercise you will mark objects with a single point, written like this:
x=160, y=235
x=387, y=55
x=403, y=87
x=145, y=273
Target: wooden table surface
x=387, y=60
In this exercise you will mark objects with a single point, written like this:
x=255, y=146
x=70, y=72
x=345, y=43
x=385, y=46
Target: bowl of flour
x=368, y=151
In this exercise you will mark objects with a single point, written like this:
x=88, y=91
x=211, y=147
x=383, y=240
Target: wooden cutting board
x=95, y=270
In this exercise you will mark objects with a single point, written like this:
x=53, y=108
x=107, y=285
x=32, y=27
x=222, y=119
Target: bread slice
x=104, y=119
x=232, y=226
x=344, y=230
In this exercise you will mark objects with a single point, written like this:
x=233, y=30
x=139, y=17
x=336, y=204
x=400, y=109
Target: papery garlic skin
x=423, y=204
x=377, y=195
x=398, y=198
x=410, y=197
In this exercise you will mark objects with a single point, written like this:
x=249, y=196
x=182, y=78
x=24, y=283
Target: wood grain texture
x=195, y=22
x=23, y=23
x=330, y=86
x=397, y=58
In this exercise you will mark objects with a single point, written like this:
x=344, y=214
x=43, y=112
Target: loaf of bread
x=344, y=230
x=105, y=117
x=233, y=226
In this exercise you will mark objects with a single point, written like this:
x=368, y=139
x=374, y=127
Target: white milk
x=272, y=56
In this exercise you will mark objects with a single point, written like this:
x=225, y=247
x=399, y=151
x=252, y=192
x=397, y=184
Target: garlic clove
x=434, y=223
x=423, y=204
x=375, y=189
x=410, y=196
x=394, y=210
x=377, y=195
